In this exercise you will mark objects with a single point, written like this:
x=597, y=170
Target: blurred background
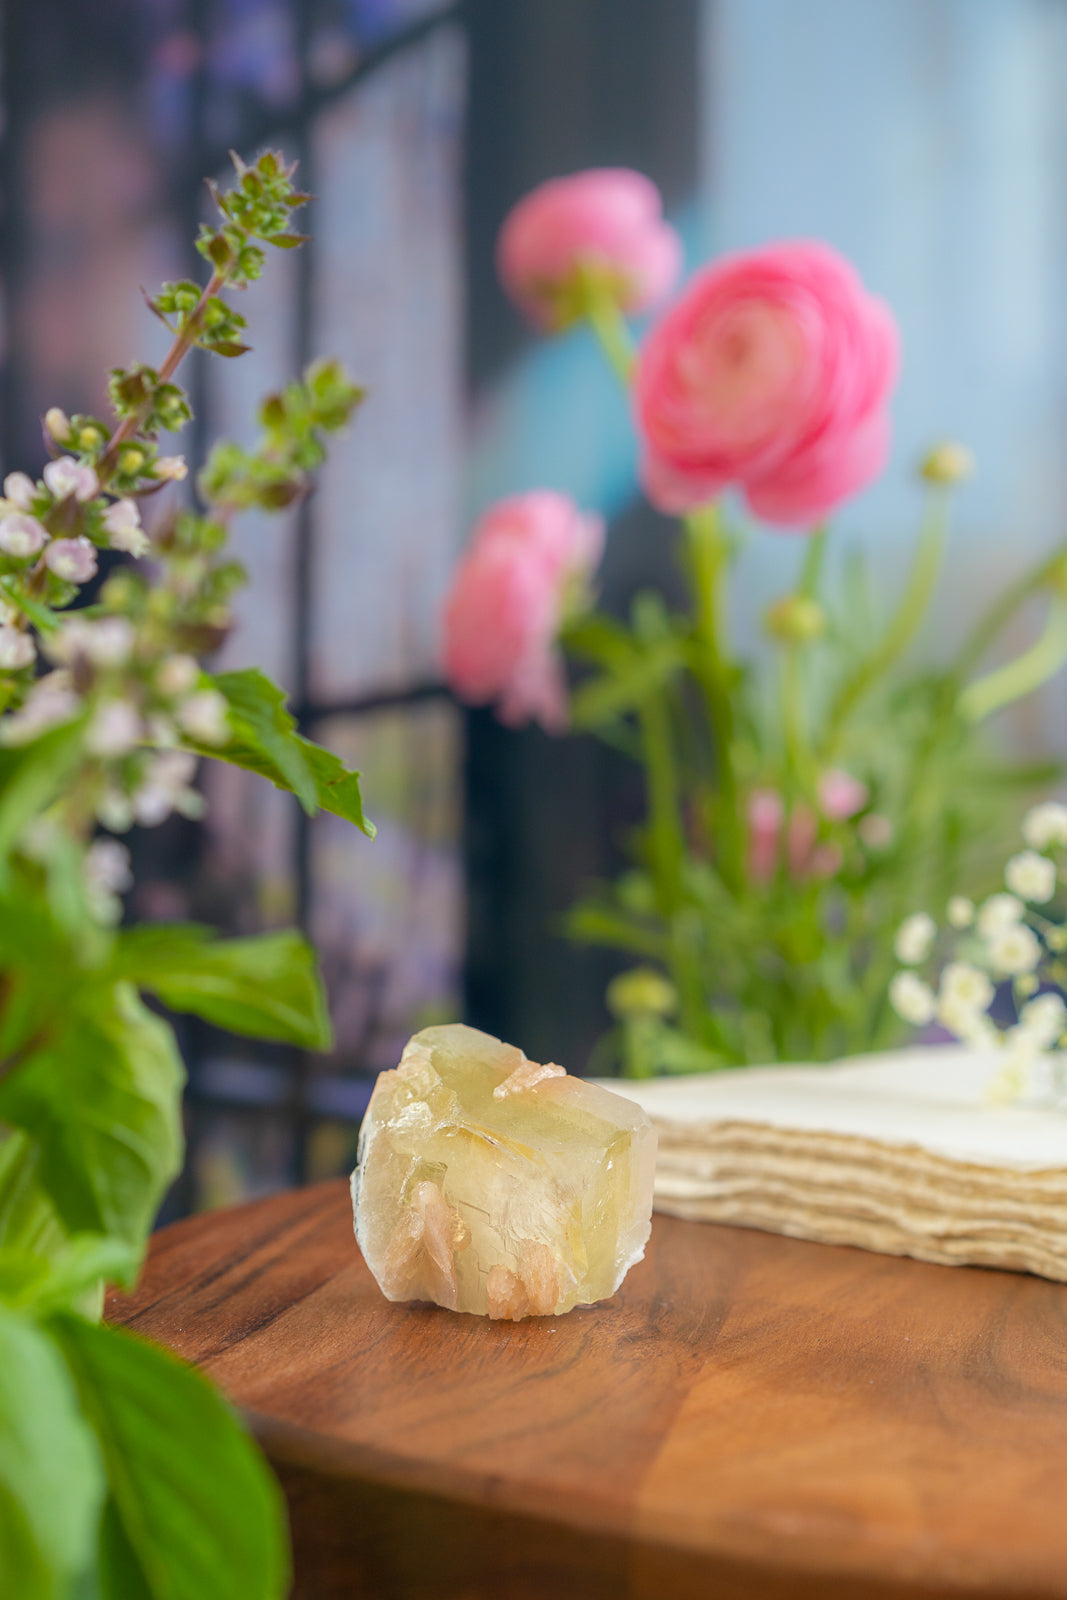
x=927, y=139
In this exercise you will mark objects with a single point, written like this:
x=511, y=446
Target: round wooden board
x=749, y=1416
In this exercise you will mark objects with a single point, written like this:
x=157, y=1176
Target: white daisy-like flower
x=915, y=938
x=1045, y=824
x=1043, y=1019
x=999, y=911
x=967, y=984
x=911, y=998
x=960, y=911
x=1031, y=876
x=1013, y=950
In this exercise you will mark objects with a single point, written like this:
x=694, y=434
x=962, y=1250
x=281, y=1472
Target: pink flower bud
x=506, y=604
x=73, y=560
x=66, y=477
x=21, y=535
x=765, y=816
x=771, y=372
x=608, y=222
x=841, y=795
x=16, y=650
x=122, y=523
x=20, y=490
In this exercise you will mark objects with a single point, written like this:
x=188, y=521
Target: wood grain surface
x=750, y=1416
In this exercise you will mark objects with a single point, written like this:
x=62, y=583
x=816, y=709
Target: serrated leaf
x=103, y=1097
x=266, y=741
x=268, y=987
x=199, y=1512
x=51, y=1475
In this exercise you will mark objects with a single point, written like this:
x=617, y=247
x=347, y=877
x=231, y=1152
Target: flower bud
x=16, y=650
x=131, y=461
x=947, y=464
x=73, y=560
x=794, y=619
x=58, y=424
x=122, y=522
x=114, y=731
x=20, y=489
x=170, y=468
x=641, y=992
x=177, y=675
x=21, y=536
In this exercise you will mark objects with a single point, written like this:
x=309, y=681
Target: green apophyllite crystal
x=488, y=1183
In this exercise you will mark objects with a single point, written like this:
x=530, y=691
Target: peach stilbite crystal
x=492, y=1184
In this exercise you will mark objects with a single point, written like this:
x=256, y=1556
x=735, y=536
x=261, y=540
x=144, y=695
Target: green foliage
x=123, y=1476
x=194, y=1514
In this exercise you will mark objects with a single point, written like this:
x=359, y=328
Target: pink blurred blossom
x=841, y=795
x=766, y=814
x=609, y=220
x=772, y=373
x=506, y=602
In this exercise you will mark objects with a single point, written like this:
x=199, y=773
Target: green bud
x=641, y=992
x=794, y=619
x=131, y=461
x=947, y=464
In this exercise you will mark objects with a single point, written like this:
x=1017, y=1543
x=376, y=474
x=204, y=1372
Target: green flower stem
x=707, y=565
x=174, y=358
x=611, y=328
x=1021, y=676
x=798, y=762
x=1002, y=610
x=904, y=622
x=665, y=832
x=811, y=571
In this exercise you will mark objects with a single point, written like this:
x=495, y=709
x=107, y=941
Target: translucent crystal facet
x=492, y=1184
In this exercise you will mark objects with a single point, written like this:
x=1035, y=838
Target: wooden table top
x=750, y=1416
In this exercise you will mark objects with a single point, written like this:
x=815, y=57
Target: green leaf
x=198, y=1509
x=265, y=740
x=31, y=776
x=103, y=1096
x=51, y=1477
x=43, y=617
x=607, y=697
x=58, y=1280
x=268, y=987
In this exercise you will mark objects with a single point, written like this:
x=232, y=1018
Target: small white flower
x=170, y=467
x=115, y=730
x=67, y=477
x=122, y=521
x=106, y=643
x=1031, y=877
x=107, y=866
x=58, y=424
x=167, y=788
x=969, y=1024
x=115, y=811
x=1014, y=950
x=968, y=985
x=21, y=535
x=52, y=700
x=16, y=650
x=161, y=731
x=73, y=560
x=1043, y=1020
x=999, y=911
x=20, y=489
x=1045, y=824
x=177, y=675
x=205, y=717
x=915, y=938
x=960, y=911
x=911, y=998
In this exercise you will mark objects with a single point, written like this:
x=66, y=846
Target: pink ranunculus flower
x=772, y=373
x=608, y=221
x=507, y=600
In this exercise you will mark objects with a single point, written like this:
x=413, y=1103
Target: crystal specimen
x=489, y=1183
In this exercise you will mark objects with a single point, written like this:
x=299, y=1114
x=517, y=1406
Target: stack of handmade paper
x=901, y=1152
